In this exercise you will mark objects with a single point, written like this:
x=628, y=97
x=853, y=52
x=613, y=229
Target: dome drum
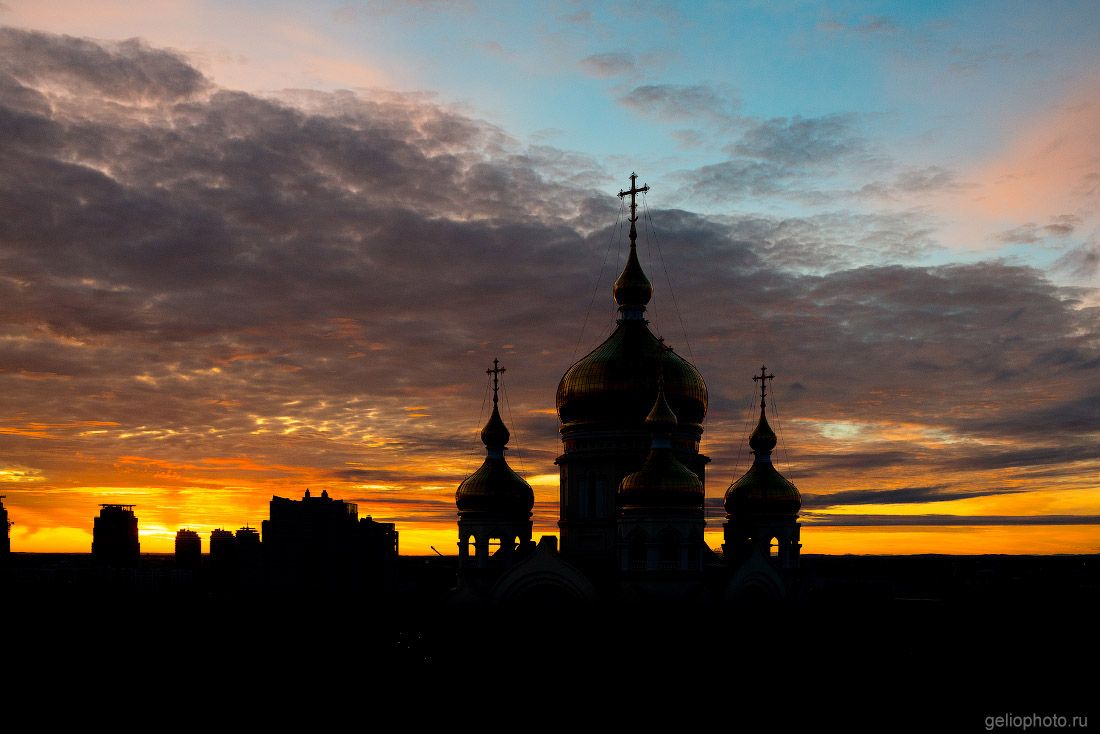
x=581, y=439
x=494, y=489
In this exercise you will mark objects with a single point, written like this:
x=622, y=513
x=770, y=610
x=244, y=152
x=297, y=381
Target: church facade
x=632, y=479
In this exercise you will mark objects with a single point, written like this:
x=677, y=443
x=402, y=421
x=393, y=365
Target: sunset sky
x=249, y=248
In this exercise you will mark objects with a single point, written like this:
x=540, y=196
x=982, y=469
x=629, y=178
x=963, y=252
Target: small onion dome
x=662, y=481
x=661, y=419
x=495, y=434
x=632, y=288
x=615, y=382
x=494, y=488
x=762, y=490
x=762, y=439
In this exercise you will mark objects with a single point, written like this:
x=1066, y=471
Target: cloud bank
x=208, y=297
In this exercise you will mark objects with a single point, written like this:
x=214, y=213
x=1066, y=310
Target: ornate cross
x=633, y=192
x=495, y=371
x=763, y=377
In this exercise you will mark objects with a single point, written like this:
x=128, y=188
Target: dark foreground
x=936, y=643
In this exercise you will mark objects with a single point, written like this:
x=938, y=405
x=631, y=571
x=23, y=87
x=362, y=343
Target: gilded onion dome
x=494, y=488
x=614, y=383
x=762, y=490
x=662, y=481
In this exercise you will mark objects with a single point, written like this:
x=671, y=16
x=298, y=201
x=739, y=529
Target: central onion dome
x=615, y=382
x=494, y=488
x=662, y=481
x=762, y=490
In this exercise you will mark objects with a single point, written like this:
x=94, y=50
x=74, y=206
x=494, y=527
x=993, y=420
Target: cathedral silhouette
x=632, y=504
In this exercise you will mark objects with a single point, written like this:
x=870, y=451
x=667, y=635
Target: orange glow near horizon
x=419, y=538
x=417, y=492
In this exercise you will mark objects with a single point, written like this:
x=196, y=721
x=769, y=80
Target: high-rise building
x=188, y=548
x=115, y=535
x=247, y=538
x=223, y=557
x=320, y=543
x=248, y=558
x=222, y=546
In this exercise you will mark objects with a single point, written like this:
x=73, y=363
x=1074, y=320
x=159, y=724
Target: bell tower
x=762, y=505
x=494, y=503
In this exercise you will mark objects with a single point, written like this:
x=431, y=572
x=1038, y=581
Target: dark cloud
x=929, y=179
x=1060, y=226
x=1082, y=261
x=805, y=159
x=1070, y=453
x=969, y=340
x=737, y=178
x=680, y=102
x=127, y=70
x=814, y=161
x=317, y=282
x=813, y=464
x=384, y=507
x=608, y=64
x=822, y=242
x=899, y=495
x=799, y=141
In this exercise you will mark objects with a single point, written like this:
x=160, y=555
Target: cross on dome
x=763, y=377
x=495, y=371
x=633, y=192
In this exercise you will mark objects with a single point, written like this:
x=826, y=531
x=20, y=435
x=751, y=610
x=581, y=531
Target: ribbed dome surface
x=762, y=490
x=615, y=382
x=661, y=482
x=495, y=488
x=661, y=419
